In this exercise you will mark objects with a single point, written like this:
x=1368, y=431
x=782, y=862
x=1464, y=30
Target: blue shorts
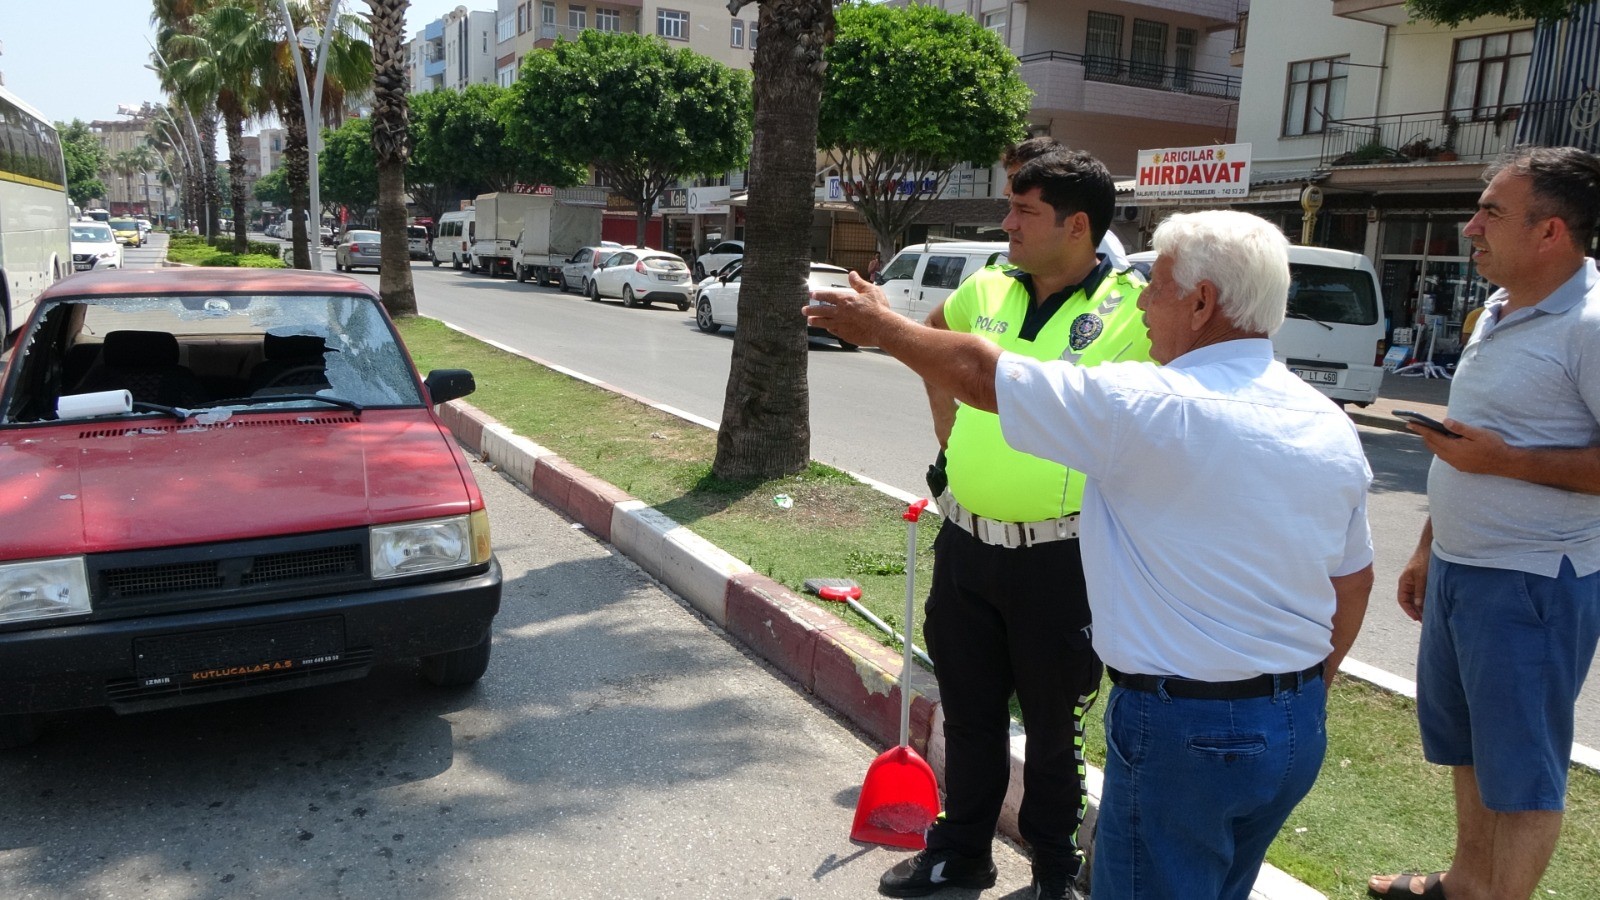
x=1503, y=656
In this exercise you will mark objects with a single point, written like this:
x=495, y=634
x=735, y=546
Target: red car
x=221, y=482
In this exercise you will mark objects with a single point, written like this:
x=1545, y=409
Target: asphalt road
x=869, y=415
x=619, y=747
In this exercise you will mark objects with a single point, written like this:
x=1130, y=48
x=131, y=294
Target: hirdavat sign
x=1191, y=173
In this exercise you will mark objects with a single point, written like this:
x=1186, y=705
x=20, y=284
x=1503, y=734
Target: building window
x=996, y=22
x=522, y=18
x=752, y=34
x=547, y=13
x=1489, y=71
x=504, y=30
x=736, y=34
x=1183, y=58
x=1103, y=46
x=1149, y=53
x=1315, y=95
x=577, y=18
x=672, y=24
x=607, y=19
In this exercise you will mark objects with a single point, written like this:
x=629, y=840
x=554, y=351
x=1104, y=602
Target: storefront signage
x=675, y=200
x=709, y=200
x=541, y=190
x=1186, y=173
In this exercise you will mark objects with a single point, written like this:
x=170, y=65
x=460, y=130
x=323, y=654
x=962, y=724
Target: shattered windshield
x=188, y=352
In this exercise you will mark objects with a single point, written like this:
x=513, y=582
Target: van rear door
x=1330, y=337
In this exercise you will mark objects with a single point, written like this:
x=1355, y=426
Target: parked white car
x=642, y=277
x=921, y=276
x=717, y=298
x=576, y=271
x=719, y=257
x=94, y=246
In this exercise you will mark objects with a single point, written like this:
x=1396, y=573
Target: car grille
x=230, y=574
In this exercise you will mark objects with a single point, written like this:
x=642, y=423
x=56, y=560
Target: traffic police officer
x=1008, y=610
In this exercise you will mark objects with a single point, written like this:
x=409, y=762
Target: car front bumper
x=177, y=659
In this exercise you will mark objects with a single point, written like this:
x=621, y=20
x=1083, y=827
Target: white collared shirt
x=1223, y=493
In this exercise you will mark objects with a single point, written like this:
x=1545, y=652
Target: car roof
x=827, y=267
x=1317, y=256
x=958, y=247
x=203, y=280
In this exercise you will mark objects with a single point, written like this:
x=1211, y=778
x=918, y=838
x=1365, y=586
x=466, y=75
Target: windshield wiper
x=278, y=398
x=1301, y=315
x=177, y=412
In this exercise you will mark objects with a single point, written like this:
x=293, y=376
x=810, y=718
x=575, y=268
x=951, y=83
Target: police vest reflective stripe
x=986, y=475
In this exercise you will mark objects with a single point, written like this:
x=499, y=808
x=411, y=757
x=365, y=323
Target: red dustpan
x=900, y=797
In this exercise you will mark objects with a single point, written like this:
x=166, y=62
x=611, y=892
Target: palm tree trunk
x=390, y=143
x=208, y=153
x=297, y=173
x=234, y=123
x=766, y=426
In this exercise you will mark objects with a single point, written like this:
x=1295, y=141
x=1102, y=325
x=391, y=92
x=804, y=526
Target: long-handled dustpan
x=900, y=797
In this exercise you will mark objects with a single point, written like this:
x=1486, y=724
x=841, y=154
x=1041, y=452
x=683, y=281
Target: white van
x=1333, y=337
x=453, y=243
x=921, y=276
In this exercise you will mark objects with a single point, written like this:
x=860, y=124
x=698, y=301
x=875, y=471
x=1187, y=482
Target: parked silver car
x=357, y=248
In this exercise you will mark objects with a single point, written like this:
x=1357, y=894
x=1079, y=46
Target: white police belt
x=1007, y=534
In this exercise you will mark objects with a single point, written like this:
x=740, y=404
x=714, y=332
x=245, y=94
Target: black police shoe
x=934, y=870
x=1054, y=889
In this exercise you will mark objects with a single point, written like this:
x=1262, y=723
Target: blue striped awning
x=1562, y=102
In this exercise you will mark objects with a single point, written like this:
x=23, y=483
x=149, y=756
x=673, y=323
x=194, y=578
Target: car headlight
x=430, y=545
x=107, y=254
x=43, y=589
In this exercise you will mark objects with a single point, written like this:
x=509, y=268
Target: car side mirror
x=877, y=278
x=445, y=385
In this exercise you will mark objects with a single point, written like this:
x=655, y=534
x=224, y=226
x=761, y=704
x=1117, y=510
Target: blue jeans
x=1196, y=790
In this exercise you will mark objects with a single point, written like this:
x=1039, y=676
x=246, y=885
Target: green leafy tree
x=911, y=92
x=643, y=115
x=430, y=172
x=766, y=424
x=1455, y=12
x=466, y=144
x=273, y=188
x=348, y=167
x=86, y=158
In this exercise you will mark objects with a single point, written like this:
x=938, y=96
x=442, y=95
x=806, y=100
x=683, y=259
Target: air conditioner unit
x=1129, y=213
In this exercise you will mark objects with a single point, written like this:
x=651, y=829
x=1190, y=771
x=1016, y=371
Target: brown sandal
x=1400, y=888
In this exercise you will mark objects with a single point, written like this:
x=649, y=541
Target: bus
x=35, y=250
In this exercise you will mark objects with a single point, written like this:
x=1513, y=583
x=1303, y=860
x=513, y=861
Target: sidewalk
x=1425, y=395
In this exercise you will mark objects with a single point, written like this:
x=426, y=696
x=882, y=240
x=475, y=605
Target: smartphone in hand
x=1425, y=421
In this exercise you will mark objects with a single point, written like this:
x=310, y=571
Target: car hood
x=87, y=487
x=93, y=246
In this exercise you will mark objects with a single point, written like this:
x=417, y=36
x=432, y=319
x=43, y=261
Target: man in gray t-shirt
x=1506, y=578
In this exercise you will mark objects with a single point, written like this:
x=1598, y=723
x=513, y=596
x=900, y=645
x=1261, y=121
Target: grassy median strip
x=1377, y=806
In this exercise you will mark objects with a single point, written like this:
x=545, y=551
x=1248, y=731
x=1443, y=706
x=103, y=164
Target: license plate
x=80, y=267
x=1317, y=376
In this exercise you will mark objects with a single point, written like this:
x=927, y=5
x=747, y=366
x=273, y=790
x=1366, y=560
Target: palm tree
x=122, y=163
x=218, y=58
x=392, y=145
x=348, y=70
x=766, y=428
x=143, y=159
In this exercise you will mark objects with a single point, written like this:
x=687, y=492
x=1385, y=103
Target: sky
x=81, y=59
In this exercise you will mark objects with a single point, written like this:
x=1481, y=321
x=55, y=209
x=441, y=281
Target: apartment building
x=1112, y=77
x=453, y=51
x=703, y=26
x=1393, y=122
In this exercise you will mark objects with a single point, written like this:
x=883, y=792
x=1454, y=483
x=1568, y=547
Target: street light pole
x=199, y=148
x=312, y=105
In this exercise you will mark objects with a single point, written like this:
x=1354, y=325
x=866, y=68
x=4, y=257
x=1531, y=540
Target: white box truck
x=551, y=233
x=498, y=220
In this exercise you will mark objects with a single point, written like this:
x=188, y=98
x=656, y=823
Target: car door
x=938, y=278
x=576, y=269
x=724, y=296
x=613, y=272
x=898, y=279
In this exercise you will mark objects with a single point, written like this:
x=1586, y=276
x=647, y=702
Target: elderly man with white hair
x=1225, y=546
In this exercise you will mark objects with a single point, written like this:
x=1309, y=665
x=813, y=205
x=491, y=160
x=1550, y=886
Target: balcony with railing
x=1472, y=135
x=628, y=24
x=1098, y=84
